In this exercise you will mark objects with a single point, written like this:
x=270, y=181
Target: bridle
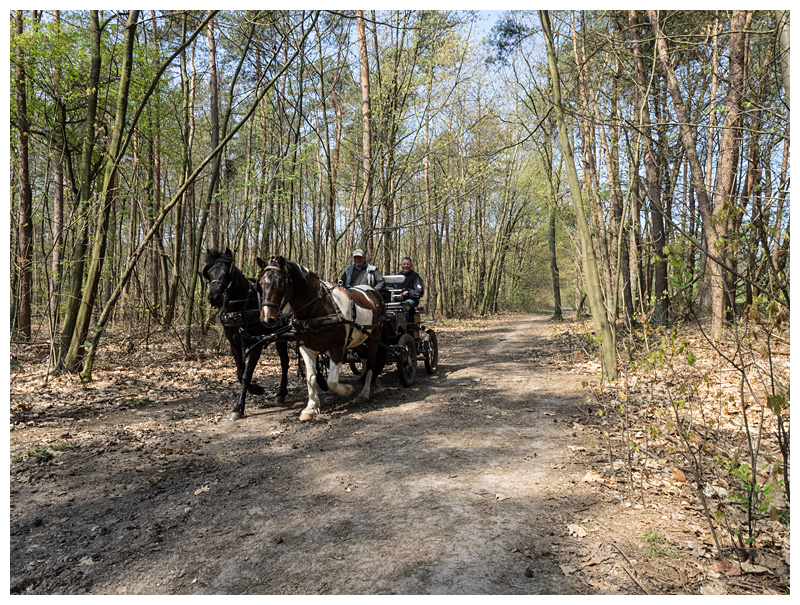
x=230, y=282
x=284, y=284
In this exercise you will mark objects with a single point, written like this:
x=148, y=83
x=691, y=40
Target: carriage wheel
x=407, y=362
x=432, y=352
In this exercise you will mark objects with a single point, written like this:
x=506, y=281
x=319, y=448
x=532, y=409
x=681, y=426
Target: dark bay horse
x=237, y=297
x=328, y=320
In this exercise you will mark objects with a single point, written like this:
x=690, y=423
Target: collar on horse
x=243, y=318
x=239, y=318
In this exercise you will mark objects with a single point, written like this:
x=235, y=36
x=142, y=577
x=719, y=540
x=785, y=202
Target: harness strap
x=237, y=318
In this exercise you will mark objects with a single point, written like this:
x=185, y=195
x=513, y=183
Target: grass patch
x=41, y=453
x=656, y=545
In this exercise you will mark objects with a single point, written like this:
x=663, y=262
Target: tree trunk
x=783, y=38
x=214, y=233
x=591, y=176
x=83, y=201
x=107, y=196
x=652, y=176
x=25, y=238
x=725, y=207
x=551, y=240
x=366, y=207
x=430, y=266
x=187, y=88
x=703, y=199
x=58, y=208
x=599, y=312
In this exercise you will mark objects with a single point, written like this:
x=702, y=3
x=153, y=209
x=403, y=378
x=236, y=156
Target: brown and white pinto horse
x=328, y=320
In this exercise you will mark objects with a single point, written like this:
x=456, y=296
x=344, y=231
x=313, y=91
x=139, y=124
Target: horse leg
x=238, y=348
x=334, y=385
x=247, y=376
x=311, y=410
x=283, y=353
x=235, y=340
x=364, y=394
x=372, y=364
x=250, y=366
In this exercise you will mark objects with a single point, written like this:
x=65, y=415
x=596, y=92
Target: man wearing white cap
x=361, y=273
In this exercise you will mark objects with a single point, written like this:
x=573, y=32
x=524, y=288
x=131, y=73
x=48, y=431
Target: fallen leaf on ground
x=592, y=476
x=596, y=557
x=568, y=569
x=713, y=589
x=200, y=490
x=677, y=475
x=729, y=568
x=715, y=491
x=576, y=530
x=603, y=586
x=749, y=568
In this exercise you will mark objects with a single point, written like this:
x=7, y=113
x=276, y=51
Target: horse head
x=218, y=273
x=276, y=288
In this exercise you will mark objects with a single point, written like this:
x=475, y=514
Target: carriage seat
x=393, y=283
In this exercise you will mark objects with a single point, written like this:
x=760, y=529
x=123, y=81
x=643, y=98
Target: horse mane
x=300, y=274
x=213, y=255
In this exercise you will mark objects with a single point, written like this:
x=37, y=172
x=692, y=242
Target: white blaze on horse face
x=268, y=313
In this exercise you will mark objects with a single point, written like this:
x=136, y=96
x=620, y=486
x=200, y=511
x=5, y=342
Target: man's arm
x=380, y=286
x=418, y=289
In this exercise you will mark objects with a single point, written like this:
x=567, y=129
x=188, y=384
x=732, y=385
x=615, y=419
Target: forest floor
x=484, y=478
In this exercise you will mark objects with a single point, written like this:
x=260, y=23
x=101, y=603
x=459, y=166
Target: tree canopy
x=141, y=138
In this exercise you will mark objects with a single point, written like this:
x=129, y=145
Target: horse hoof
x=235, y=416
x=305, y=417
x=280, y=399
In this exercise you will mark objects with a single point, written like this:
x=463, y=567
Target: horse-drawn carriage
x=408, y=342
x=330, y=324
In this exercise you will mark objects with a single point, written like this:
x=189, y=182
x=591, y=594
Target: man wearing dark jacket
x=412, y=287
x=361, y=273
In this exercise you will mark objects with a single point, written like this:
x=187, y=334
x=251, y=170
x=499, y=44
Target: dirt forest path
x=468, y=482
